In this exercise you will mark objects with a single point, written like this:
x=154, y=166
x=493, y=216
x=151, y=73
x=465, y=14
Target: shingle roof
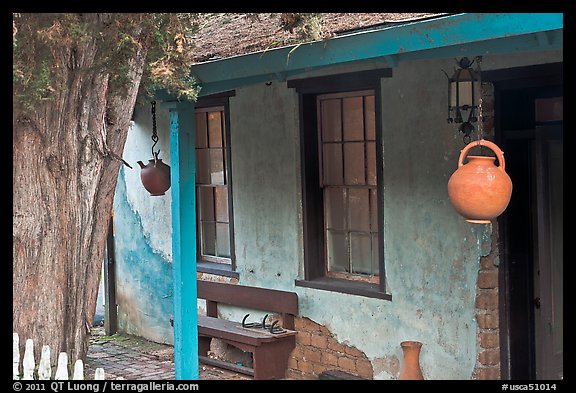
x=225, y=34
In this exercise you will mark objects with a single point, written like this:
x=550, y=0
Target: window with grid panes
x=212, y=193
x=342, y=182
x=347, y=151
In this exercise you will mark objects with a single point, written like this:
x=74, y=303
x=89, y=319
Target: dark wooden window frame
x=222, y=269
x=312, y=202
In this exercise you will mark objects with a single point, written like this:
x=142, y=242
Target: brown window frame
x=210, y=264
x=345, y=183
x=315, y=273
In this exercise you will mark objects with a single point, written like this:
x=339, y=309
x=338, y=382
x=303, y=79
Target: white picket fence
x=44, y=369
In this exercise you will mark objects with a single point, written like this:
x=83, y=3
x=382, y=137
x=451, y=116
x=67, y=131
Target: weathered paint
x=183, y=176
x=154, y=211
x=144, y=290
x=431, y=254
x=265, y=151
x=143, y=229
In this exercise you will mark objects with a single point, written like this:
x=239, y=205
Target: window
x=347, y=135
x=342, y=183
x=215, y=246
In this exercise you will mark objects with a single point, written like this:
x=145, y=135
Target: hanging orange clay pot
x=479, y=190
x=411, y=362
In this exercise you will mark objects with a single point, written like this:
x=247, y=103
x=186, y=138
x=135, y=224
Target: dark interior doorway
x=529, y=128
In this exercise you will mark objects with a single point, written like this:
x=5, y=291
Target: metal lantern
x=464, y=96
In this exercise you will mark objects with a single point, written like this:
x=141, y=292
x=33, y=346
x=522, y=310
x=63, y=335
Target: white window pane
x=201, y=130
x=354, y=163
x=335, y=208
x=370, y=118
x=221, y=202
x=215, y=129
x=373, y=211
x=216, y=166
x=223, y=240
x=375, y=259
x=202, y=166
x=337, y=249
x=371, y=163
x=353, y=117
x=208, y=238
x=331, y=121
x=332, y=161
x=360, y=254
x=358, y=210
x=206, y=203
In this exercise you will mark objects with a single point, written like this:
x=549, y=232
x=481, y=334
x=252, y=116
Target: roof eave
x=522, y=31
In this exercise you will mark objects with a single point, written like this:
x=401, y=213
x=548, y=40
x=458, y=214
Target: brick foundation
x=488, y=338
x=487, y=316
x=317, y=351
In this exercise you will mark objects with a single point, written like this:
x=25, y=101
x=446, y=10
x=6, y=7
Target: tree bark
x=65, y=169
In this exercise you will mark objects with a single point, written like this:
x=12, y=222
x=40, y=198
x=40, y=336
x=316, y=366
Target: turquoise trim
x=417, y=36
x=183, y=177
x=528, y=43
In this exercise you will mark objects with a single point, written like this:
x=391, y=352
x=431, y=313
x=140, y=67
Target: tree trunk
x=65, y=169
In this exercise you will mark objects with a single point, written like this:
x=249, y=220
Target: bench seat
x=233, y=331
x=270, y=352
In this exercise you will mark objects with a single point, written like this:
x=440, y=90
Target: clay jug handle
x=483, y=142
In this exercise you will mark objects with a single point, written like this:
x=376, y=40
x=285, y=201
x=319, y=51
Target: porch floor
x=135, y=358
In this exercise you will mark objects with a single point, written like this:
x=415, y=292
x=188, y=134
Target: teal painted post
x=183, y=177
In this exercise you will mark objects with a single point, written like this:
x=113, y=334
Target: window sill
x=219, y=269
x=345, y=286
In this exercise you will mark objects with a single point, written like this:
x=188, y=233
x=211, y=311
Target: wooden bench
x=270, y=351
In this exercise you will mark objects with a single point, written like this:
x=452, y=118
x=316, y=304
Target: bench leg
x=271, y=359
x=204, y=345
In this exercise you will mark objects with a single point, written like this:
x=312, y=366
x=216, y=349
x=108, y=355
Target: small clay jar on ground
x=411, y=361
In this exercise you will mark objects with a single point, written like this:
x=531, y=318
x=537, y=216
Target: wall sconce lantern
x=464, y=96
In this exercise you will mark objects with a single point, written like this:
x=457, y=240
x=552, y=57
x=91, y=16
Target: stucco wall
x=431, y=255
x=142, y=237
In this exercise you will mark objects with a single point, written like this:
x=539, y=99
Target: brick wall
x=487, y=317
x=317, y=351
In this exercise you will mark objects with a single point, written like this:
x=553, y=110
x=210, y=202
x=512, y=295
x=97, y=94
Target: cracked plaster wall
x=431, y=255
x=142, y=235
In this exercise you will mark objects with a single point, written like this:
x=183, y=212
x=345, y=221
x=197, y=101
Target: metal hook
x=154, y=133
x=244, y=320
x=273, y=326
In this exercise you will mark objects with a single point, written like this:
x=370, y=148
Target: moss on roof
x=222, y=35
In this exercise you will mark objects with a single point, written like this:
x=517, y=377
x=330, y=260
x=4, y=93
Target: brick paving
x=134, y=358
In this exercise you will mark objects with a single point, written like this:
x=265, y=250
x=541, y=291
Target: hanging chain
x=154, y=134
x=480, y=102
x=480, y=134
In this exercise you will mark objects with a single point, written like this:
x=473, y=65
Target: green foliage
x=308, y=26
x=48, y=47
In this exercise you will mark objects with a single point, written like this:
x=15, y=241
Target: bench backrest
x=282, y=302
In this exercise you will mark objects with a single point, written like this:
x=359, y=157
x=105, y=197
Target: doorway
x=529, y=128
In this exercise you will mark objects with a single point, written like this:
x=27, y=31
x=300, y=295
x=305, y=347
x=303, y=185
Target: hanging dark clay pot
x=156, y=175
